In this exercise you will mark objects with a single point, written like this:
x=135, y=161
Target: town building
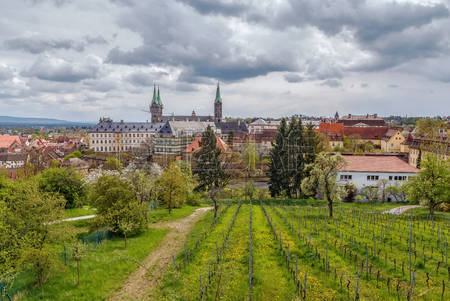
x=188, y=152
x=9, y=142
x=368, y=170
x=418, y=146
x=260, y=125
x=366, y=134
x=334, y=133
x=13, y=160
x=361, y=120
x=392, y=141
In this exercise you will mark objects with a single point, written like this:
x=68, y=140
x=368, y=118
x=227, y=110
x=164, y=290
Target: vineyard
x=276, y=252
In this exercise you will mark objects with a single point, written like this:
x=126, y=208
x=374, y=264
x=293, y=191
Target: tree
x=113, y=164
x=398, y=192
x=116, y=203
x=66, y=182
x=26, y=214
x=382, y=184
x=173, y=186
x=78, y=253
x=145, y=186
x=250, y=158
x=323, y=178
x=209, y=167
x=350, y=188
x=276, y=165
x=370, y=193
x=431, y=184
x=249, y=189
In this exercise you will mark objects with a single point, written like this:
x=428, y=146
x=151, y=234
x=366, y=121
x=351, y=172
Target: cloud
x=293, y=78
x=332, y=83
x=6, y=72
x=145, y=79
x=39, y=44
x=61, y=70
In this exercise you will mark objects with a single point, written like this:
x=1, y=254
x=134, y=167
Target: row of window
x=112, y=148
x=130, y=135
x=374, y=178
x=111, y=141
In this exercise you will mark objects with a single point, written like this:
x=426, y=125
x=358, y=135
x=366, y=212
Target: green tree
x=382, y=185
x=66, y=182
x=116, y=204
x=370, y=193
x=323, y=178
x=113, y=164
x=173, y=186
x=249, y=189
x=277, y=180
x=26, y=233
x=398, y=192
x=250, y=158
x=431, y=184
x=78, y=252
x=209, y=168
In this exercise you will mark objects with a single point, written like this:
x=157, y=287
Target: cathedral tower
x=156, y=107
x=218, y=105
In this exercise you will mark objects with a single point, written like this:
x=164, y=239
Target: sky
x=80, y=60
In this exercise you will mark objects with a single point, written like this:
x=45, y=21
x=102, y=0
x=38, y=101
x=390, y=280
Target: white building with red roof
x=369, y=169
x=9, y=142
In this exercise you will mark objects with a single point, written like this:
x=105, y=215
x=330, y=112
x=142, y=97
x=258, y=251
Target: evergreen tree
x=208, y=167
x=295, y=157
x=276, y=168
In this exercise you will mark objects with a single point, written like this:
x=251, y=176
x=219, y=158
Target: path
x=149, y=274
x=401, y=209
x=77, y=218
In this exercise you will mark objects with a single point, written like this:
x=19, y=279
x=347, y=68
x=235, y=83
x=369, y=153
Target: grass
x=75, y=212
x=162, y=214
x=102, y=270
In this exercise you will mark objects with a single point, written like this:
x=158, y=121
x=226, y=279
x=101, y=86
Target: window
x=346, y=177
x=372, y=178
x=390, y=178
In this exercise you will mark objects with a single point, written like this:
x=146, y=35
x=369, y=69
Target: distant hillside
x=18, y=121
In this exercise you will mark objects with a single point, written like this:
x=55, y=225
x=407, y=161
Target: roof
x=195, y=145
x=218, y=98
x=232, y=126
x=185, y=127
x=119, y=127
x=390, y=133
x=369, y=133
x=377, y=164
x=261, y=121
x=12, y=157
x=166, y=118
x=362, y=120
x=7, y=140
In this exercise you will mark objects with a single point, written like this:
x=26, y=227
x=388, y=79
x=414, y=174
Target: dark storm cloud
x=60, y=70
x=38, y=44
x=144, y=79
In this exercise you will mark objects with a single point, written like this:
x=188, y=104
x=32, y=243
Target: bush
x=63, y=181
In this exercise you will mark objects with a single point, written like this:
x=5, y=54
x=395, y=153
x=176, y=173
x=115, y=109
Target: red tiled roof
x=7, y=140
x=195, y=145
x=333, y=131
x=377, y=164
x=372, y=133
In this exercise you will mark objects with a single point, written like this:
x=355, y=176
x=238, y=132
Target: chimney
x=375, y=115
x=349, y=115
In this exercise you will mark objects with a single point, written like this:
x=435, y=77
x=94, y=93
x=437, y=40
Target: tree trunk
x=330, y=207
x=215, y=208
x=431, y=209
x=125, y=241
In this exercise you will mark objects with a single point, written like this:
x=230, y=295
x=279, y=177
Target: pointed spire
x=159, y=98
x=218, y=98
x=154, y=94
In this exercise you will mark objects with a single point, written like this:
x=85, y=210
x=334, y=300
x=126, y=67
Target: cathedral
x=156, y=110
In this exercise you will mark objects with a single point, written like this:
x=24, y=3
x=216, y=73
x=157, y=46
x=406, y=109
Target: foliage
x=277, y=179
x=323, y=178
x=209, y=168
x=249, y=189
x=145, y=187
x=250, y=158
x=75, y=154
x=370, y=193
x=66, y=182
x=350, y=188
x=431, y=184
x=116, y=204
x=26, y=235
x=113, y=164
x=397, y=191
x=173, y=186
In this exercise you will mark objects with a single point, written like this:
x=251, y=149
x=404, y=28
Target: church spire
x=159, y=98
x=218, y=98
x=154, y=100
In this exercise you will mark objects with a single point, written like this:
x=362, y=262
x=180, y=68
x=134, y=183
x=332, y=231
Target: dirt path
x=153, y=267
x=401, y=209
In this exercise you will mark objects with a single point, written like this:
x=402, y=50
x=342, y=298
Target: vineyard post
x=357, y=287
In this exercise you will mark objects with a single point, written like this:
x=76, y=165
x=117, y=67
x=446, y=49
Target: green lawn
x=74, y=212
x=162, y=214
x=102, y=270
